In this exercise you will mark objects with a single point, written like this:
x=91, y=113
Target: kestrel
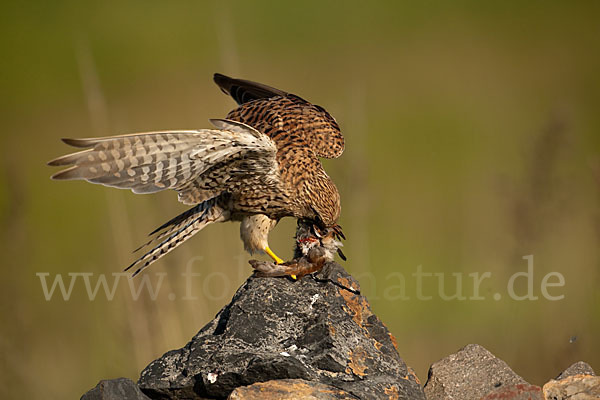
x=259, y=165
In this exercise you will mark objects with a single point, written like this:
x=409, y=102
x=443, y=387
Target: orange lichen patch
x=358, y=307
x=392, y=338
x=411, y=374
x=357, y=363
x=392, y=392
x=332, y=330
x=347, y=283
x=377, y=344
x=343, y=281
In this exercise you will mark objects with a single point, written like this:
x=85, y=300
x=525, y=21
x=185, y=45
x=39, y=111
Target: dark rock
x=522, y=391
x=318, y=328
x=471, y=373
x=575, y=387
x=290, y=389
x=579, y=368
x=115, y=389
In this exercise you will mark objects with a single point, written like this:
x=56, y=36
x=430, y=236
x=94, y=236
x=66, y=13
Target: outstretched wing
x=276, y=113
x=179, y=160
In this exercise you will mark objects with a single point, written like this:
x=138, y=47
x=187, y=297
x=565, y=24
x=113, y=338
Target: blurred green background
x=473, y=139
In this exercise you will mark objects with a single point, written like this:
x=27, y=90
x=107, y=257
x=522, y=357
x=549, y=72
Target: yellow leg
x=273, y=256
x=277, y=259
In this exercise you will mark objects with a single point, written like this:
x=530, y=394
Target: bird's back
x=286, y=118
x=302, y=132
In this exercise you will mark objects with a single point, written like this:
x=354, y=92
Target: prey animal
x=315, y=246
x=258, y=165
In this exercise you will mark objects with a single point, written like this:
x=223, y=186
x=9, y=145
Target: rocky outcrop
x=317, y=338
x=473, y=373
x=578, y=382
x=317, y=329
x=579, y=368
x=115, y=389
x=292, y=389
x=574, y=387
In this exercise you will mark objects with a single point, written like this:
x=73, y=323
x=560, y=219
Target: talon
x=273, y=256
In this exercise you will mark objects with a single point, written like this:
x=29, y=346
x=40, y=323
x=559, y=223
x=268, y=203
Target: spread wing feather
x=291, y=115
x=180, y=160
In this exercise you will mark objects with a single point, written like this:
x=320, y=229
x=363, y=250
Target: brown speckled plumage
x=259, y=165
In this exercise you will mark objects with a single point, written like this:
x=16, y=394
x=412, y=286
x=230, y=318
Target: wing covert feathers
x=283, y=116
x=150, y=162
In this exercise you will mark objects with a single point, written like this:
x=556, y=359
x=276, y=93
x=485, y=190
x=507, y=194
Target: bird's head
x=310, y=235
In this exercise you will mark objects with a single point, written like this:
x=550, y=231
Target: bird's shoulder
x=290, y=118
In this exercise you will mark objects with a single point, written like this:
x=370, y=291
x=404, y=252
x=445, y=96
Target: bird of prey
x=259, y=165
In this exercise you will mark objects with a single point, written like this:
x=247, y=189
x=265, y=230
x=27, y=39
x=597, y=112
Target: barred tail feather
x=178, y=230
x=174, y=224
